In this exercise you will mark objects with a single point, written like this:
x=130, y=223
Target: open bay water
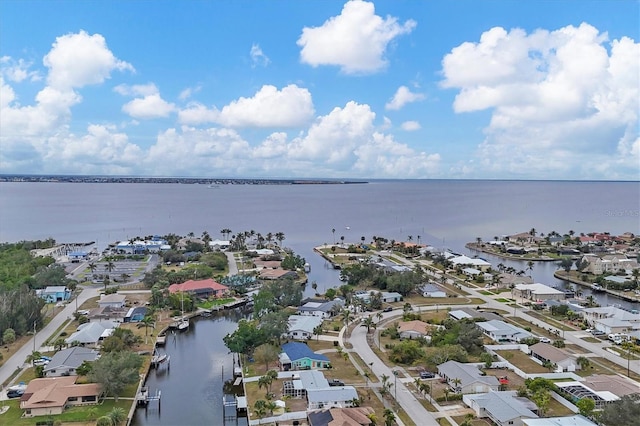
x=443, y=213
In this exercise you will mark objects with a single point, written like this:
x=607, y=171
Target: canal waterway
x=191, y=384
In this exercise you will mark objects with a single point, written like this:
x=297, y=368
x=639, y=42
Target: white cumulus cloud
x=402, y=97
x=269, y=107
x=356, y=40
x=563, y=103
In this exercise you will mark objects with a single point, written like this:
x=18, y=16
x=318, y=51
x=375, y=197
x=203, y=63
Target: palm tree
x=110, y=266
x=368, y=322
x=147, y=321
x=59, y=344
x=425, y=388
x=33, y=357
x=264, y=382
x=389, y=417
x=117, y=415
x=317, y=330
x=342, y=240
x=583, y=362
x=333, y=231
x=92, y=267
x=280, y=237
x=260, y=407
x=271, y=405
x=446, y=392
x=456, y=382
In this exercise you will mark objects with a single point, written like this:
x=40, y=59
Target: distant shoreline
x=181, y=180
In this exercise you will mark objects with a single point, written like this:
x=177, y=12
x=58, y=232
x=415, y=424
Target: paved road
x=414, y=409
x=18, y=359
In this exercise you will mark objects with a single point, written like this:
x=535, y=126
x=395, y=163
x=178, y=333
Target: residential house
x=466, y=261
x=432, y=290
x=466, y=378
x=53, y=294
x=200, y=288
x=617, y=385
x=276, y=274
x=108, y=313
x=390, y=297
x=219, y=245
x=546, y=353
x=579, y=390
x=91, y=333
x=298, y=356
x=331, y=397
x=313, y=386
x=537, y=292
x=503, y=408
x=112, y=300
x=321, y=309
x=301, y=327
x=354, y=416
x=576, y=420
x=413, y=329
x=609, y=264
x=473, y=314
x=51, y=395
x=523, y=237
x=500, y=331
x=610, y=319
x=389, y=266
x=66, y=361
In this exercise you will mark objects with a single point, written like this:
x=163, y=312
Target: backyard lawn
x=522, y=361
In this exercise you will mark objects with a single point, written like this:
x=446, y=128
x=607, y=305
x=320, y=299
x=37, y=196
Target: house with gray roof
x=503, y=408
x=546, y=353
x=321, y=309
x=469, y=376
x=331, y=397
x=469, y=313
x=66, y=361
x=432, y=290
x=91, y=333
x=500, y=331
x=576, y=420
x=301, y=327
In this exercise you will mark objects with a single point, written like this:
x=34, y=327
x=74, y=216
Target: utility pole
x=34, y=336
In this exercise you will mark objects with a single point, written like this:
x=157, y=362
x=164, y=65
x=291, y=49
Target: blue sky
x=387, y=89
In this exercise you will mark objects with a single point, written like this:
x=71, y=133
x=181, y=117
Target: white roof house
x=610, y=319
x=473, y=262
x=331, y=397
x=113, y=300
x=320, y=309
x=432, y=290
x=302, y=326
x=471, y=379
x=538, y=291
x=501, y=331
x=503, y=408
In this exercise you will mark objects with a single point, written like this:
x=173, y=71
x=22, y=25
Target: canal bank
x=192, y=389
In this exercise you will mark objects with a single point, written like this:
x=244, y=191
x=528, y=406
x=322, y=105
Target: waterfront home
x=503, y=408
x=136, y=314
x=389, y=266
x=66, y=361
x=353, y=416
x=90, y=334
x=276, y=274
x=432, y=290
x=413, y=329
x=50, y=396
x=108, y=313
x=546, y=353
x=298, y=356
x=524, y=237
x=537, y=292
x=611, y=263
x=53, y=294
x=219, y=245
x=610, y=319
x=301, y=327
x=385, y=296
x=200, y=288
x=466, y=261
x=466, y=378
x=321, y=309
x=112, y=301
x=500, y=331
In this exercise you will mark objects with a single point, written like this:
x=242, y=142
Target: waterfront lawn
x=73, y=415
x=522, y=361
x=208, y=304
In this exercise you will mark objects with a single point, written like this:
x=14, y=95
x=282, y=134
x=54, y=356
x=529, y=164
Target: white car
x=545, y=340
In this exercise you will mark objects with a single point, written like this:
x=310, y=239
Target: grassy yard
x=71, y=416
x=590, y=339
x=522, y=361
x=538, y=331
x=614, y=367
x=551, y=321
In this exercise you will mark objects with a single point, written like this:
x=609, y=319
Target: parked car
x=427, y=375
x=14, y=393
x=336, y=382
x=387, y=309
x=545, y=340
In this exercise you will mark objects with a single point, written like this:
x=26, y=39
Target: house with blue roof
x=298, y=356
x=53, y=294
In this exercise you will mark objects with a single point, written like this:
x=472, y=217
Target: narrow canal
x=191, y=384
